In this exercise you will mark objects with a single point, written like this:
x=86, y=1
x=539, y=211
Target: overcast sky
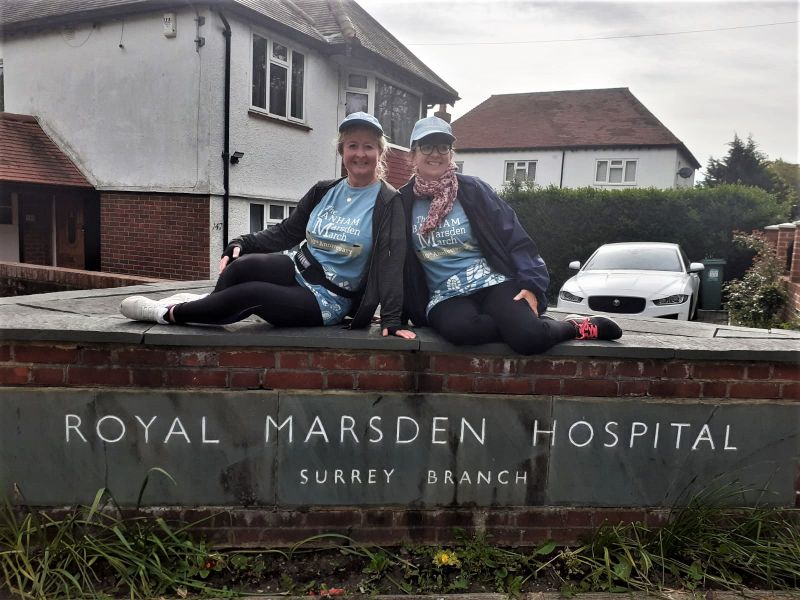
x=703, y=86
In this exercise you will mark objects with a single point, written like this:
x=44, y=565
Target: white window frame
x=370, y=92
x=616, y=163
x=291, y=50
x=526, y=166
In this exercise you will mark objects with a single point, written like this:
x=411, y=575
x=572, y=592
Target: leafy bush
x=569, y=224
x=758, y=298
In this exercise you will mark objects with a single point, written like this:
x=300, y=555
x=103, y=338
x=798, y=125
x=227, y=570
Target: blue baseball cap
x=360, y=118
x=430, y=125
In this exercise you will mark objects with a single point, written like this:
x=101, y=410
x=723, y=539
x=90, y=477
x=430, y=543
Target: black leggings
x=254, y=284
x=492, y=315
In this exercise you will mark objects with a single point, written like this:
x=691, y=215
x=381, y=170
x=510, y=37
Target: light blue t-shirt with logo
x=451, y=258
x=339, y=236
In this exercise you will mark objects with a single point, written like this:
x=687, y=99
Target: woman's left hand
x=403, y=333
x=530, y=298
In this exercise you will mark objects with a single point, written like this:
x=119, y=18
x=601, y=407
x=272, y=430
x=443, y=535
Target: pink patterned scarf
x=443, y=191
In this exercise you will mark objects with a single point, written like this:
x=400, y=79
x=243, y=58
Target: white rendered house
x=196, y=123
x=603, y=138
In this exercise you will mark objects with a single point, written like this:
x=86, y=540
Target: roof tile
x=562, y=119
x=27, y=155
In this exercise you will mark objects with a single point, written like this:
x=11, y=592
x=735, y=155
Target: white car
x=650, y=279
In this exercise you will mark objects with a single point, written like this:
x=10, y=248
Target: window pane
x=460, y=166
x=259, y=96
x=357, y=81
x=291, y=209
x=256, y=217
x=298, y=69
x=397, y=110
x=280, y=52
x=531, y=171
x=630, y=171
x=509, y=171
x=356, y=103
x=276, y=212
x=600, y=174
x=277, y=89
x=615, y=175
x=520, y=172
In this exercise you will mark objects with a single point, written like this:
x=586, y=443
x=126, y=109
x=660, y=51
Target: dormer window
x=396, y=108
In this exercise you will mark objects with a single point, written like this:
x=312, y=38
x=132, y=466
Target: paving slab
x=93, y=316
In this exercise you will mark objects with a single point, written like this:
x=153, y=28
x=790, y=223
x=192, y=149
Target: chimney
x=442, y=113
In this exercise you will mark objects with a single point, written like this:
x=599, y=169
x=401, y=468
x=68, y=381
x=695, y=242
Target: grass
x=96, y=552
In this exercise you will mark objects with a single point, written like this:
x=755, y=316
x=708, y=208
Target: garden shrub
x=758, y=298
x=569, y=224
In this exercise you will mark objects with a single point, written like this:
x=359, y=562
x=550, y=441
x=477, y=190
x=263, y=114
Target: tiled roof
x=567, y=119
x=328, y=24
x=27, y=155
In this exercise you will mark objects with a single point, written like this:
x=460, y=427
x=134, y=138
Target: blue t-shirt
x=451, y=258
x=339, y=236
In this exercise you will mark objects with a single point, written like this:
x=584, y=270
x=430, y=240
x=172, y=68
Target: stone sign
x=324, y=448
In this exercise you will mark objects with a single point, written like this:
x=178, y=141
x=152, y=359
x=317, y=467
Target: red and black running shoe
x=594, y=328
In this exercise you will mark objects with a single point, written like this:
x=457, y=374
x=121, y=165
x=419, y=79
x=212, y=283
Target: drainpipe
x=226, y=163
x=561, y=181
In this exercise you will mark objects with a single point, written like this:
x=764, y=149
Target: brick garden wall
x=17, y=279
x=785, y=241
x=155, y=235
x=42, y=365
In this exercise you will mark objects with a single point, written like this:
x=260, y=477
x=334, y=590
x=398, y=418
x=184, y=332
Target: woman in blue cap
x=351, y=231
x=472, y=272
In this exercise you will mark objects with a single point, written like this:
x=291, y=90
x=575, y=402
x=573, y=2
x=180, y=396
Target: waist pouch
x=314, y=274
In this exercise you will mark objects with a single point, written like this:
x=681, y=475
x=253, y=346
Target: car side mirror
x=696, y=267
x=575, y=265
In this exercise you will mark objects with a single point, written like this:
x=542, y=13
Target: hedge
x=569, y=224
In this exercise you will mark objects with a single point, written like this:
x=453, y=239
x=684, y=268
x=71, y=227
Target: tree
x=744, y=165
x=787, y=181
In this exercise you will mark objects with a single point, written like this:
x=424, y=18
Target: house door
x=69, y=233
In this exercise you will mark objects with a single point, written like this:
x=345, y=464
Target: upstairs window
x=459, y=166
x=615, y=172
x=278, y=79
x=520, y=170
x=396, y=109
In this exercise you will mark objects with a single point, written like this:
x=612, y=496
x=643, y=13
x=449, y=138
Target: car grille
x=617, y=304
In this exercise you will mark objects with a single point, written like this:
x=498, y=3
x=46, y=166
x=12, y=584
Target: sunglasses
x=427, y=149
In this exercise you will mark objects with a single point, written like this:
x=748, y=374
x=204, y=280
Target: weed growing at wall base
x=95, y=552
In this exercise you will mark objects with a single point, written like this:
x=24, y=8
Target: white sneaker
x=180, y=298
x=140, y=308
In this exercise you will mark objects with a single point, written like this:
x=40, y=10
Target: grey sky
x=702, y=86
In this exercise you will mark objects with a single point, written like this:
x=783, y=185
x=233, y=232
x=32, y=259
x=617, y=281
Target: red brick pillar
x=771, y=235
x=794, y=268
x=786, y=235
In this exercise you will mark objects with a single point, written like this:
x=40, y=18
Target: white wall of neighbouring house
x=130, y=106
x=490, y=166
x=9, y=234
x=655, y=167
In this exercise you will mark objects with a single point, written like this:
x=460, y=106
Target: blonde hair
x=381, y=168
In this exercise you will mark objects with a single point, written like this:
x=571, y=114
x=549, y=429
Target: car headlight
x=674, y=299
x=564, y=295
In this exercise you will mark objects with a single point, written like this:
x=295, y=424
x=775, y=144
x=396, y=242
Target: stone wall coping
x=92, y=316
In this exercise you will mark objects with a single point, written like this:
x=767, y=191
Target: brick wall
x=43, y=365
x=155, y=235
x=35, y=364
x=785, y=241
x=399, y=163
x=18, y=279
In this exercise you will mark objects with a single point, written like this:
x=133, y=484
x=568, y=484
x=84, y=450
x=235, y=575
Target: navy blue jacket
x=506, y=245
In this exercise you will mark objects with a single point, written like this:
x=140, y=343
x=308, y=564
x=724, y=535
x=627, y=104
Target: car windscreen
x=634, y=258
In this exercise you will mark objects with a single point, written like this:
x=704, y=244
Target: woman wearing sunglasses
x=472, y=272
